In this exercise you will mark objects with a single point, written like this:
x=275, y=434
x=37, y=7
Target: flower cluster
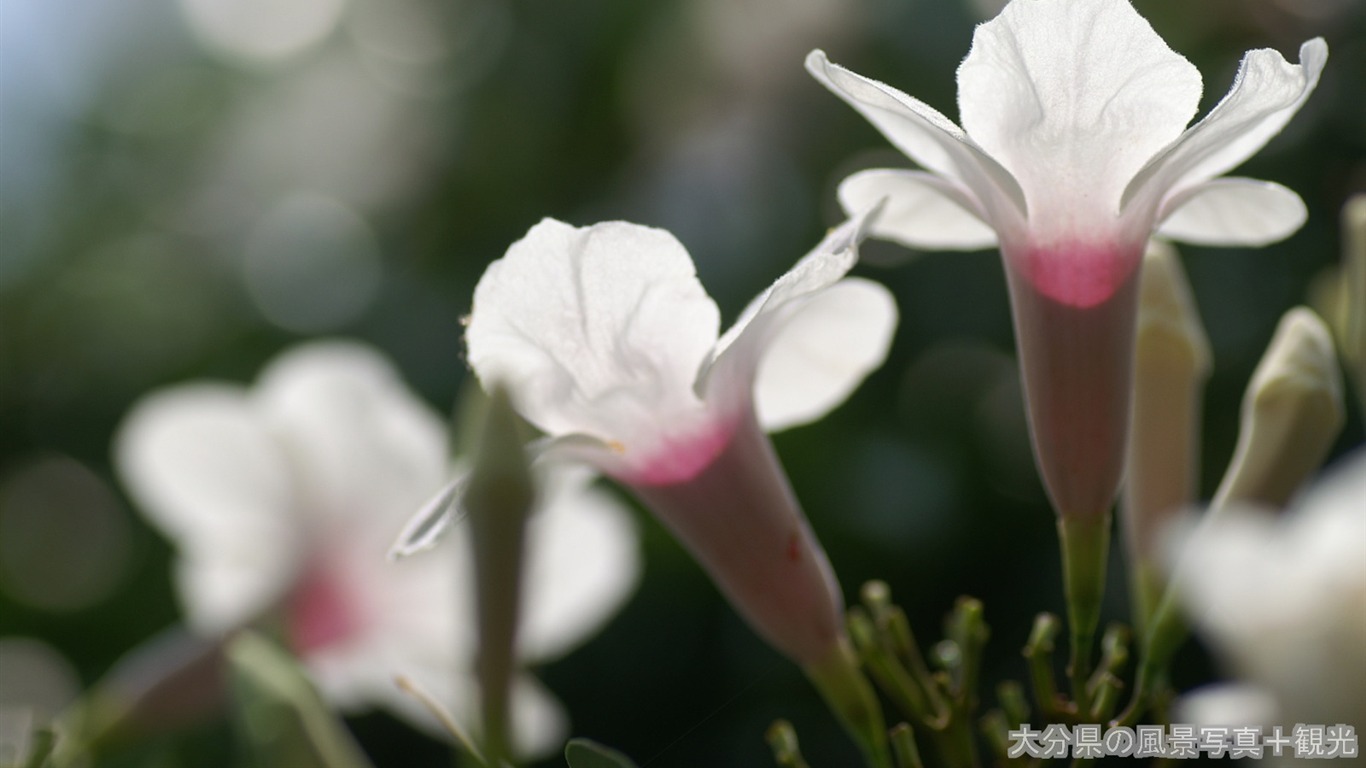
x=1075, y=151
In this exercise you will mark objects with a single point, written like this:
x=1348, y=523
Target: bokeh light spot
x=312, y=264
x=261, y=31
x=64, y=537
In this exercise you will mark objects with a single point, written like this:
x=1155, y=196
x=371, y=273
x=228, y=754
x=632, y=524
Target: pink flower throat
x=319, y=612
x=1079, y=274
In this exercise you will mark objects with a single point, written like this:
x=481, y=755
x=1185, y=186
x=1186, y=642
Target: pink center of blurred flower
x=1077, y=274
x=680, y=459
x=318, y=612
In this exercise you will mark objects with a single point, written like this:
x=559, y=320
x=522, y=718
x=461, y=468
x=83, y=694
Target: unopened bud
x=1352, y=336
x=499, y=497
x=1171, y=365
x=1292, y=413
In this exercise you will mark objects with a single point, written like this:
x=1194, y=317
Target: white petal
x=201, y=464
x=775, y=323
x=928, y=138
x=597, y=330
x=1073, y=98
x=539, y=723
x=583, y=561
x=823, y=352
x=361, y=443
x=1266, y=93
x=1233, y=211
x=1227, y=704
x=922, y=210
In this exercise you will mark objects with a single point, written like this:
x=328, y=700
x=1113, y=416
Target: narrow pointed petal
x=803, y=345
x=1073, y=98
x=922, y=210
x=928, y=138
x=1074, y=331
x=741, y=521
x=598, y=330
x=1233, y=211
x=583, y=562
x=1266, y=93
x=431, y=522
x=204, y=467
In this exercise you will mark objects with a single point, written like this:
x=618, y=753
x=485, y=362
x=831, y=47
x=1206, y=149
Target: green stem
x=1085, y=544
x=903, y=746
x=1038, y=652
x=850, y=696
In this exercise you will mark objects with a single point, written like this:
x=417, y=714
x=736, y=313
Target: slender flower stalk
x=1172, y=363
x=609, y=344
x=1073, y=151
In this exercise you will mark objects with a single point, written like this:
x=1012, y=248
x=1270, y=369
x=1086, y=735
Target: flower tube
x=609, y=344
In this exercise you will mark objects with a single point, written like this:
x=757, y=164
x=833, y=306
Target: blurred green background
x=189, y=186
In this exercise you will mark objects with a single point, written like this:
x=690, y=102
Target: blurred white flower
x=610, y=345
x=282, y=500
x=1073, y=151
x=1282, y=601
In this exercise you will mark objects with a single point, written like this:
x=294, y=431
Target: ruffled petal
x=203, y=466
x=928, y=138
x=815, y=358
x=922, y=210
x=1266, y=93
x=362, y=445
x=582, y=562
x=598, y=330
x=1233, y=211
x=1072, y=99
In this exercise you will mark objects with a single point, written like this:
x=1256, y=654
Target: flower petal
x=922, y=210
x=928, y=138
x=797, y=366
x=1233, y=211
x=583, y=561
x=823, y=352
x=597, y=330
x=1073, y=98
x=1266, y=93
x=203, y=466
x=363, y=446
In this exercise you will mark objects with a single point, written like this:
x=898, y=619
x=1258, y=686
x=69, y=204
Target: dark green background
x=611, y=109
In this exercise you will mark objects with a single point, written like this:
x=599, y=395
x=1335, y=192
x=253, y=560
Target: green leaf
x=584, y=753
x=284, y=721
